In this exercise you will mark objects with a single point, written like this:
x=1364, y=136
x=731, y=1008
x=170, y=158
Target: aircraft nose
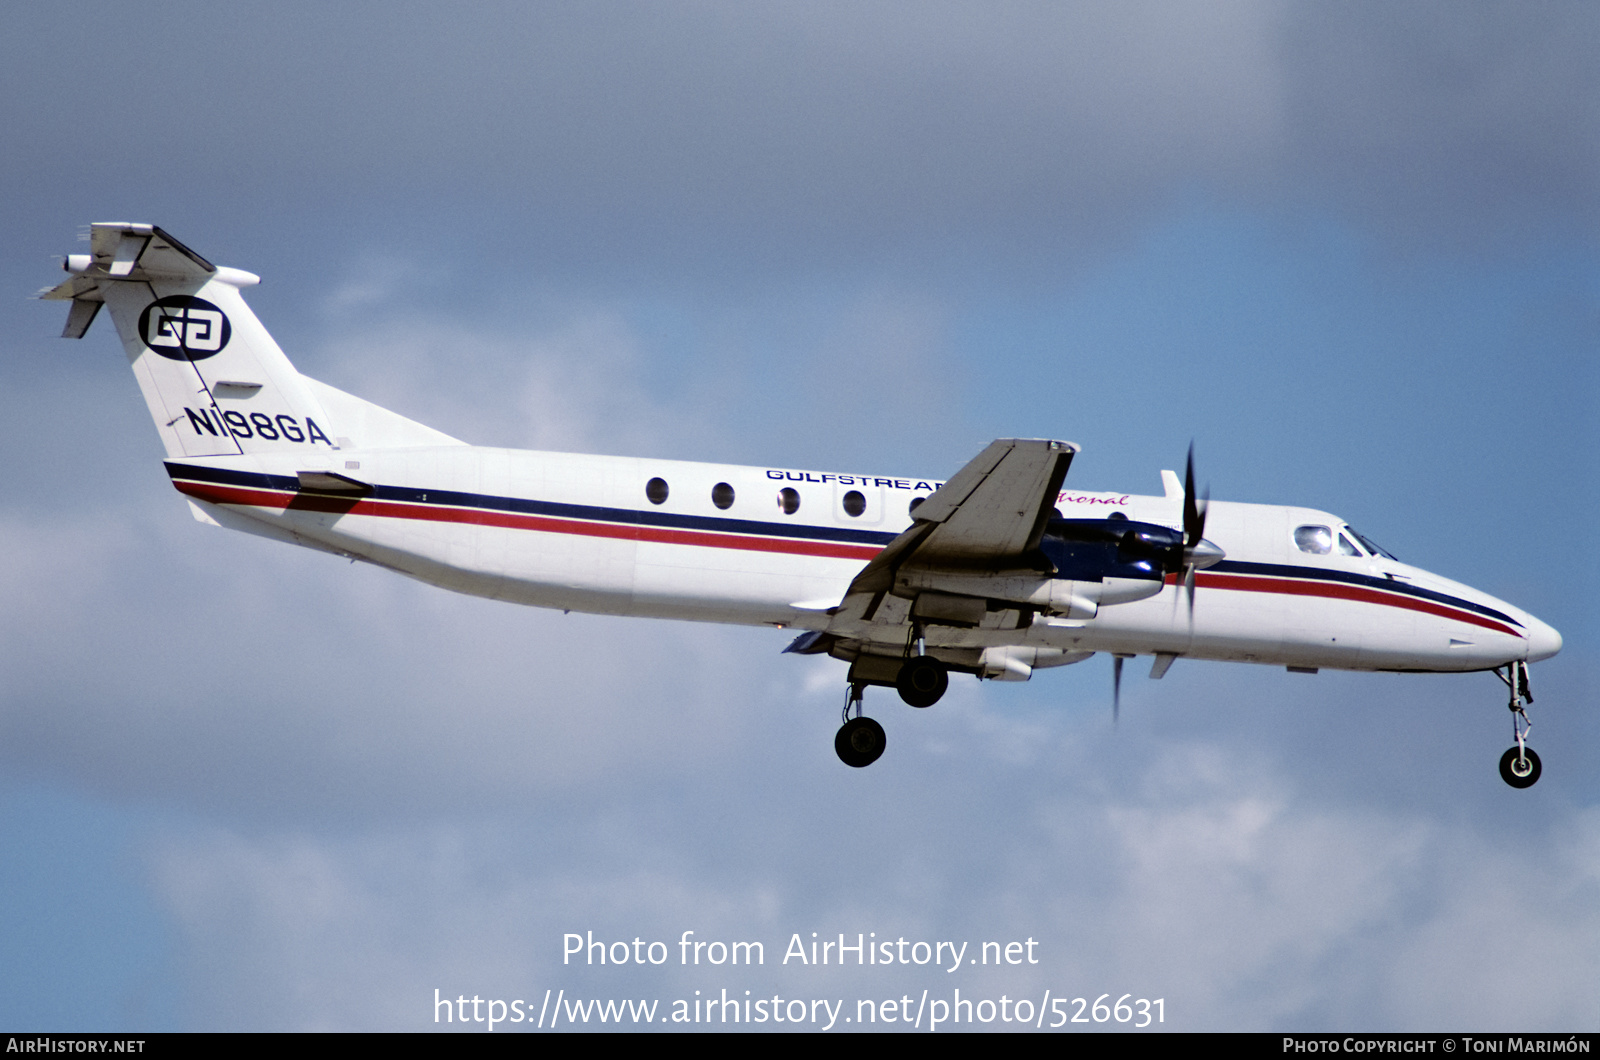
x=1543, y=640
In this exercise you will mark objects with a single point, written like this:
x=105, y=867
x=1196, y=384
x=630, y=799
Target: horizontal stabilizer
x=121, y=252
x=120, y=248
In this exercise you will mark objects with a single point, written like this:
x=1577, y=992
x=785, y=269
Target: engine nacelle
x=962, y=599
x=1017, y=663
x=1127, y=590
x=1092, y=563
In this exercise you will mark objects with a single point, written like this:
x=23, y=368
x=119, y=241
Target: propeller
x=1194, y=527
x=1195, y=552
x=1116, y=689
x=1190, y=553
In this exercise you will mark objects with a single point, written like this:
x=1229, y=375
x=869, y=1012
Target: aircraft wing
x=989, y=515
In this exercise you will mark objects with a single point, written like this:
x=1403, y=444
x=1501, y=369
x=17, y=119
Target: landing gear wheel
x=860, y=742
x=1520, y=767
x=922, y=680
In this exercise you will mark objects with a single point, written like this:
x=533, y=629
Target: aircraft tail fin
x=214, y=380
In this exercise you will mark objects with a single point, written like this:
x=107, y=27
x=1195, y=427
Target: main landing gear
x=860, y=740
x=1519, y=766
x=921, y=682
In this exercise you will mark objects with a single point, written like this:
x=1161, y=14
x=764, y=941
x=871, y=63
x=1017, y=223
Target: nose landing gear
x=1520, y=770
x=1519, y=766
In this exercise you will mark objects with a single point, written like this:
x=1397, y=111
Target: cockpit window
x=1317, y=540
x=1371, y=546
x=1346, y=548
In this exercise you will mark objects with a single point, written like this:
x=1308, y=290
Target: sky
x=1350, y=250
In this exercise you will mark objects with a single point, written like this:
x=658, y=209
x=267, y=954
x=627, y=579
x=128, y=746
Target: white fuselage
x=579, y=532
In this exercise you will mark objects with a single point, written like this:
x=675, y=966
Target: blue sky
x=1349, y=250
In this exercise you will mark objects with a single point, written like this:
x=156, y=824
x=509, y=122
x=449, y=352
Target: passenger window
x=788, y=500
x=1346, y=548
x=722, y=495
x=656, y=490
x=1318, y=540
x=854, y=503
x=914, y=502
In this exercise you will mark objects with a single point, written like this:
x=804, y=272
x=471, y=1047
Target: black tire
x=1520, y=775
x=860, y=742
x=922, y=681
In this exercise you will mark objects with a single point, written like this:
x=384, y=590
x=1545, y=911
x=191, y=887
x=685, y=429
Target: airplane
x=997, y=572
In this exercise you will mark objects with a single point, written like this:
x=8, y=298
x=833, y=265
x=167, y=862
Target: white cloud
x=1246, y=905
x=578, y=385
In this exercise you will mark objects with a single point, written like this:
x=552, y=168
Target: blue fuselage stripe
x=524, y=506
x=1366, y=581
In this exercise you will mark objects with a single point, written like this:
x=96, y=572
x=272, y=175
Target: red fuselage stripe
x=216, y=494
x=1339, y=591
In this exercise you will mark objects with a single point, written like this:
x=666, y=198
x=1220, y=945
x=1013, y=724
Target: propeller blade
x=1194, y=506
x=1191, y=514
x=1116, y=689
x=1194, y=529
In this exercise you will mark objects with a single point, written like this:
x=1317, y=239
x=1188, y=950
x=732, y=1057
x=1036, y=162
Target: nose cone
x=1543, y=640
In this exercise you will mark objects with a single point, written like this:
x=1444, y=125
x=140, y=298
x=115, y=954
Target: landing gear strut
x=860, y=740
x=1519, y=766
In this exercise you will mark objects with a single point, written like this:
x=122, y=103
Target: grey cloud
x=788, y=135
x=1444, y=120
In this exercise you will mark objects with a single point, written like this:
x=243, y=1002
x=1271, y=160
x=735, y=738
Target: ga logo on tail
x=182, y=327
